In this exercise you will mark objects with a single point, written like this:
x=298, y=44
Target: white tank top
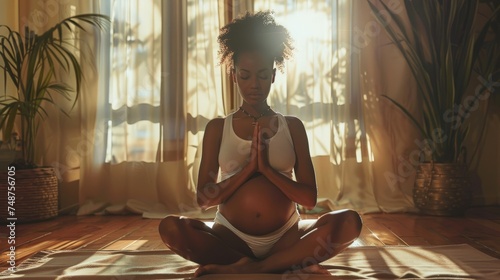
x=234, y=151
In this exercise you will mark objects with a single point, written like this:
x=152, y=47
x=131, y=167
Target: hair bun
x=255, y=32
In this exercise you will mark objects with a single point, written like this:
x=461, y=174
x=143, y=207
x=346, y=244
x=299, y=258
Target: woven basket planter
x=35, y=197
x=442, y=189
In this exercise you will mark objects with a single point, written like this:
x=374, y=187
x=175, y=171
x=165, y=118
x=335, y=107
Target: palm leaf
x=9, y=120
x=411, y=55
x=409, y=115
x=32, y=63
x=442, y=51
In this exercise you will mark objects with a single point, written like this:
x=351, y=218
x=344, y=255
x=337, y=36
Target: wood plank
x=473, y=233
x=385, y=235
x=415, y=241
x=105, y=238
x=66, y=237
x=487, y=224
x=394, y=223
x=26, y=233
x=367, y=238
x=425, y=228
x=484, y=212
x=132, y=237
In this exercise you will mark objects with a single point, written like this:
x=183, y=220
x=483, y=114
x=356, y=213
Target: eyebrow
x=260, y=71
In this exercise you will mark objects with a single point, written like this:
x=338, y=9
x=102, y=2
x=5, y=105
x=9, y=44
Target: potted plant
x=32, y=64
x=444, y=51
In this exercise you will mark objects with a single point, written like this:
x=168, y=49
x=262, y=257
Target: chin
x=254, y=101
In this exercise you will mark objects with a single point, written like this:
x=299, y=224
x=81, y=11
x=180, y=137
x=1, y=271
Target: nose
x=255, y=82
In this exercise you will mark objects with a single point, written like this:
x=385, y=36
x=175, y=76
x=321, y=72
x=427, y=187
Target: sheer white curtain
x=134, y=81
x=318, y=87
x=161, y=76
x=380, y=69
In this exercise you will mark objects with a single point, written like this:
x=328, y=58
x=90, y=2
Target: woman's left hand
x=262, y=155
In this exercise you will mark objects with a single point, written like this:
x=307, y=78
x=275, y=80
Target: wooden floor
x=480, y=228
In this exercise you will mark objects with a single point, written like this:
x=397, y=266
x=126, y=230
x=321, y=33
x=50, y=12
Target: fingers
x=262, y=140
x=262, y=153
x=255, y=139
x=254, y=150
x=262, y=145
x=256, y=129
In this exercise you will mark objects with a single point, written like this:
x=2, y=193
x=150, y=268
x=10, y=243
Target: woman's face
x=254, y=74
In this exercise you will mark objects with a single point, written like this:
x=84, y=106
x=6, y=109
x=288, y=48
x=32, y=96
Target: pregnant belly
x=258, y=207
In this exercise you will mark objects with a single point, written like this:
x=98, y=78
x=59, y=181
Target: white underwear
x=259, y=244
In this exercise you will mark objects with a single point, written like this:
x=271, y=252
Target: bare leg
x=197, y=242
x=301, y=248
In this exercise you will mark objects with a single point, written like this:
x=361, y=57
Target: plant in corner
x=31, y=65
x=440, y=43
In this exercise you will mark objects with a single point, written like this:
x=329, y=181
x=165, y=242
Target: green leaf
x=32, y=63
x=410, y=116
x=10, y=121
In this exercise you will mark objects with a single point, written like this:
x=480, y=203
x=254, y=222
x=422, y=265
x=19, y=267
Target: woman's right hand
x=253, y=163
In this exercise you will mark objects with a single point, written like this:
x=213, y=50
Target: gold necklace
x=255, y=119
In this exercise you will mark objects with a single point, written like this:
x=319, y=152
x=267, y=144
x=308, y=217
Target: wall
x=8, y=12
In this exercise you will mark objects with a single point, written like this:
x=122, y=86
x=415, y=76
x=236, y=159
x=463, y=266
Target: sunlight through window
x=316, y=86
x=306, y=27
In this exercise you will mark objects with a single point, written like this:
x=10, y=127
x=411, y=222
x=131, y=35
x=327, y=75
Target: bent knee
x=353, y=220
x=166, y=224
x=171, y=228
x=347, y=221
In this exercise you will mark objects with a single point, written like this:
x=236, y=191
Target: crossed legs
x=218, y=250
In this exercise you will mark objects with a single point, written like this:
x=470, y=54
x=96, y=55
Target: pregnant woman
x=265, y=171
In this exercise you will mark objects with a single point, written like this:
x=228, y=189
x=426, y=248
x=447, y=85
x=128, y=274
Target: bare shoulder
x=295, y=125
x=215, y=124
x=299, y=137
x=213, y=132
x=214, y=128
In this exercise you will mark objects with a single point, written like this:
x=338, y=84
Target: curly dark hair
x=255, y=32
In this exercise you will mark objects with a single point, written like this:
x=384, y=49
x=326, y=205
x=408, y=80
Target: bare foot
x=244, y=265
x=315, y=269
x=312, y=269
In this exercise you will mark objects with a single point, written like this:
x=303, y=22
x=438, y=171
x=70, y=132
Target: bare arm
x=210, y=193
x=303, y=191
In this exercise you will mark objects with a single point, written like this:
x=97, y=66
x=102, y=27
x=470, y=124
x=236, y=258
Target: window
x=133, y=108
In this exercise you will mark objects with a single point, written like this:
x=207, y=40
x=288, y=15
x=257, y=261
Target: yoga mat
x=389, y=262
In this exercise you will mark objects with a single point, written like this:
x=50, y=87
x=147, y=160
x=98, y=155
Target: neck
x=255, y=116
x=255, y=109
